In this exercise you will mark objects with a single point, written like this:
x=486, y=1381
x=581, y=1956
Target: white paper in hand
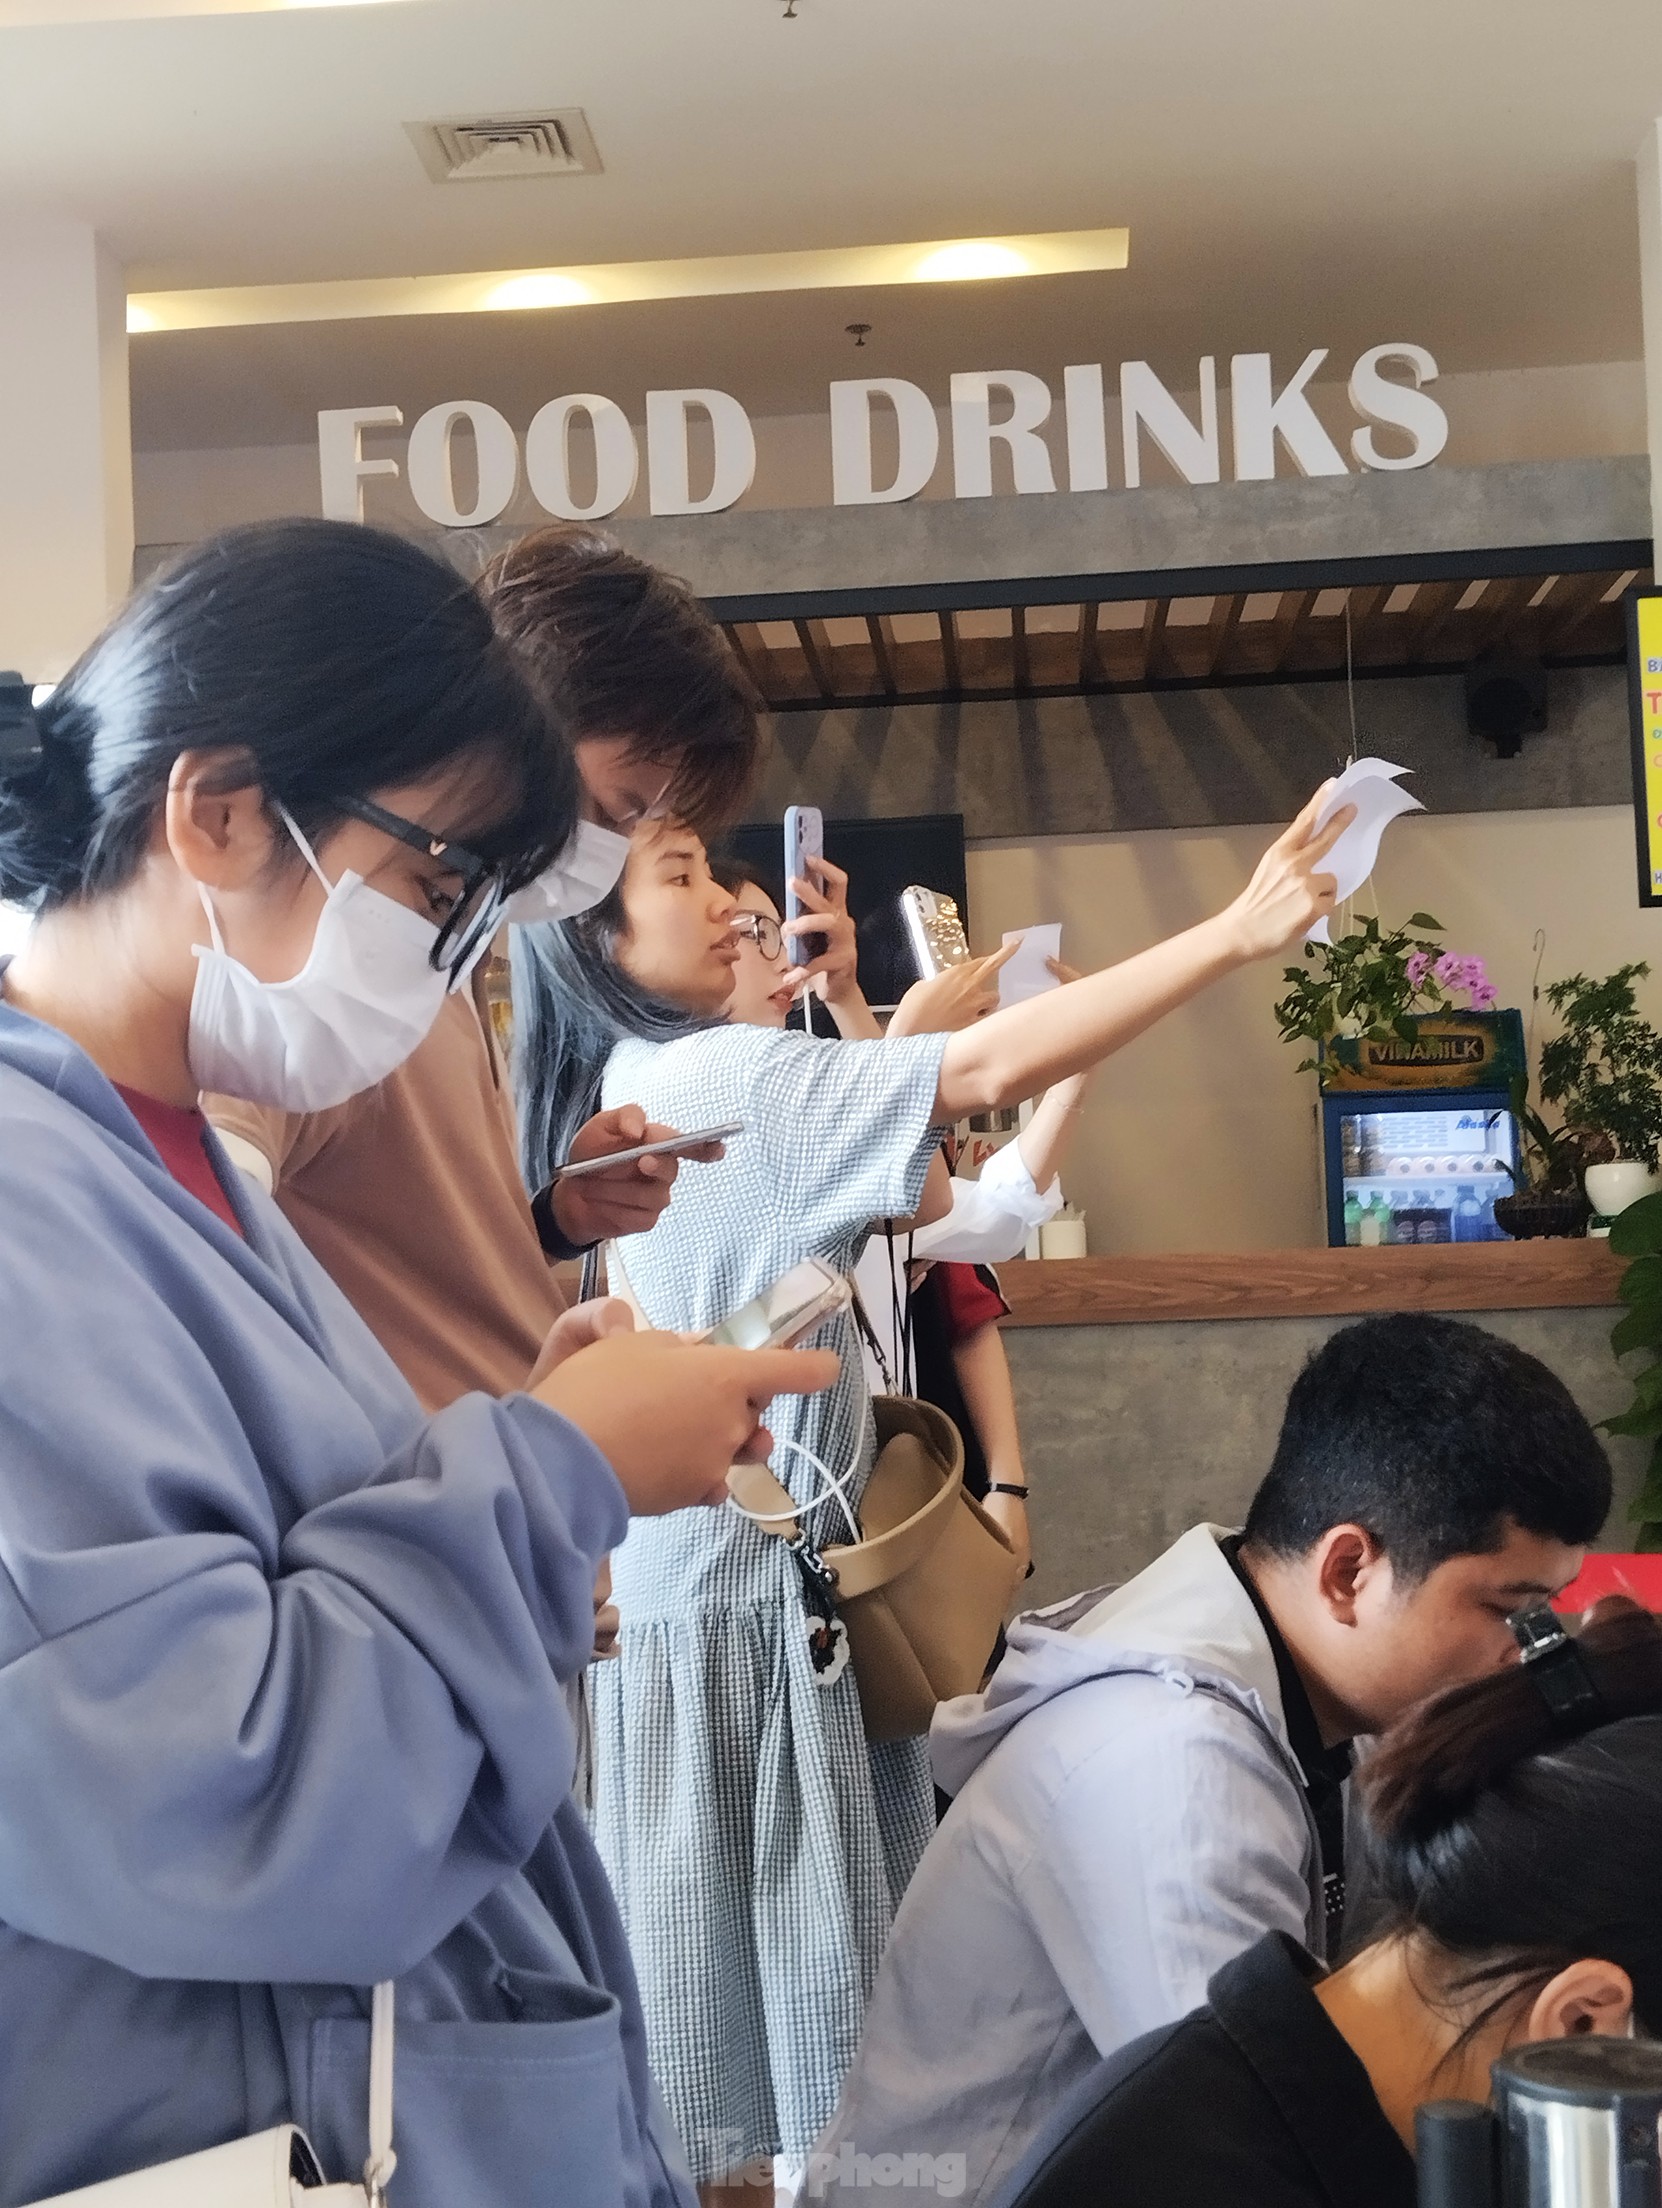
x=1026, y=975
x=1370, y=785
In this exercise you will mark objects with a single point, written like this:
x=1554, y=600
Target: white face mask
x=586, y=870
x=366, y=996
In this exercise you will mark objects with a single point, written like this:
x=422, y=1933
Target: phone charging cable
x=833, y=1491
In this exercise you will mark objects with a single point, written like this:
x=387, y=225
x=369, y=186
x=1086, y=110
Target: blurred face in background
x=622, y=787
x=762, y=991
x=678, y=941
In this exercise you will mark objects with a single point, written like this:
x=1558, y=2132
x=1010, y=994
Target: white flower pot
x=1611, y=1188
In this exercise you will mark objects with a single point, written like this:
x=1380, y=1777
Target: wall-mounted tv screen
x=880, y=858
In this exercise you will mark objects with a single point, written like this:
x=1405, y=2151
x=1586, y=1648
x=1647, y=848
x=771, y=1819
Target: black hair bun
x=47, y=816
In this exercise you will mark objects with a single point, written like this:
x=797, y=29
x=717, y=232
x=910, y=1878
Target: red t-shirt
x=179, y=1133
x=969, y=1296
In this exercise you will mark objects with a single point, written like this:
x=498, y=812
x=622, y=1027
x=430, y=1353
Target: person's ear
x=220, y=837
x=1588, y=1997
x=1347, y=1560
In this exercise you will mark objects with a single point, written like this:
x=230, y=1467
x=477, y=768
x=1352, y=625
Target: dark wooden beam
x=1503, y=611
x=1090, y=652
x=1284, y=625
x=1156, y=612
x=1362, y=606
x=1579, y=597
x=752, y=654
x=949, y=649
x=1220, y=631
x=816, y=650
x=880, y=628
x=1432, y=611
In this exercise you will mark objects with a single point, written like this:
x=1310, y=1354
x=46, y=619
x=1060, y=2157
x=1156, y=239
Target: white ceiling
x=1292, y=172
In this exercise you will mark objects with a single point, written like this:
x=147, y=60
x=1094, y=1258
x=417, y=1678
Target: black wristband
x=1007, y=1487
x=555, y=1247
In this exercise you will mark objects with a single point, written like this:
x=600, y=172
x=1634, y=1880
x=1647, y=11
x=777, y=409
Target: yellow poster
x=1645, y=650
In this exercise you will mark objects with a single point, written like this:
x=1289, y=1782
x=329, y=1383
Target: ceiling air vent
x=497, y=149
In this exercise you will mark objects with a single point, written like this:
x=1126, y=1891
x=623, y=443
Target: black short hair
x=625, y=649
x=1436, y=1437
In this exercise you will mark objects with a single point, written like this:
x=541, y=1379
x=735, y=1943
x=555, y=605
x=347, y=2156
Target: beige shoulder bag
x=925, y=1591
x=273, y=2169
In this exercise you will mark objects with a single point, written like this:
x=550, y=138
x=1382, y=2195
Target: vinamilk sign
x=1007, y=407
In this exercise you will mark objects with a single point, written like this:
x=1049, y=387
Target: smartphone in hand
x=804, y=841
x=793, y=1306
x=668, y=1146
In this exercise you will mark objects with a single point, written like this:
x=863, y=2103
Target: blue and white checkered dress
x=758, y=1843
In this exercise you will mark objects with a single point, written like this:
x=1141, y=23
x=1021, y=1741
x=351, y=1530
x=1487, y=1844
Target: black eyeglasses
x=475, y=912
x=763, y=931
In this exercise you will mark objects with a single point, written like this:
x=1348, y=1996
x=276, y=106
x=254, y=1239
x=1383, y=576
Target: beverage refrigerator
x=1418, y=1136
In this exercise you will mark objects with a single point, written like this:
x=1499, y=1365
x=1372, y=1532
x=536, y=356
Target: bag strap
x=382, y=2161
x=618, y=1282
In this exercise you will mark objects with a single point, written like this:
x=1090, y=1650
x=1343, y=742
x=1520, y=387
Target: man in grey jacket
x=1153, y=1777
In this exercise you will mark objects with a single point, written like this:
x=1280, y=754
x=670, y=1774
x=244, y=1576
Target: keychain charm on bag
x=828, y=1647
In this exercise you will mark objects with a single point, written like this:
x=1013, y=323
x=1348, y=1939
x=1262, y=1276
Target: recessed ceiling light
x=970, y=261
x=15, y=13
x=933, y=260
x=540, y=291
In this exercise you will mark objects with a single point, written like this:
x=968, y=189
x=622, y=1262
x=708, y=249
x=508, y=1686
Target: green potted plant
x=1547, y=1200
x=1637, y=1236
x=1603, y=1071
x=1375, y=984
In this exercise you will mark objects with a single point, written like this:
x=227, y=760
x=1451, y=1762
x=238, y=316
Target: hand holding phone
x=671, y=1416
x=804, y=844
x=668, y=1146
x=793, y=1306
x=934, y=929
x=619, y=1182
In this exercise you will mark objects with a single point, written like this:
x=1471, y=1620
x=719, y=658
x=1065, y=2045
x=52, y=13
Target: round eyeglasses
x=762, y=929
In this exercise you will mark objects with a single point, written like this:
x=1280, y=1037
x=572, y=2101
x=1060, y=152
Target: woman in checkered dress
x=758, y=1843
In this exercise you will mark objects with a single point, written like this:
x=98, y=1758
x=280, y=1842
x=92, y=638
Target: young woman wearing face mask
x=1513, y=1872
x=410, y=1193
x=280, y=1673
x=757, y=1842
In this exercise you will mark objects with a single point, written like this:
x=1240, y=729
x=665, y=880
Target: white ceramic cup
x=1063, y=1236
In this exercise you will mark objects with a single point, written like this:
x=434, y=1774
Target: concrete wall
x=1132, y=1434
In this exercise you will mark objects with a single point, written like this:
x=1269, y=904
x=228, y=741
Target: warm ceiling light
x=969, y=262
x=553, y=290
x=856, y=267
x=139, y=318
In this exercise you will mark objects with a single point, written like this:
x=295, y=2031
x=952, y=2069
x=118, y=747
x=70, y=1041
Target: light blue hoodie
x=1128, y=1816
x=281, y=1712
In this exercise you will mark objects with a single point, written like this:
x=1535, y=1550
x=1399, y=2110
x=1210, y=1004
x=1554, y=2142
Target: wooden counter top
x=1288, y=1284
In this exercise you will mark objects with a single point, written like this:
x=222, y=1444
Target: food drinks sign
x=1008, y=408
